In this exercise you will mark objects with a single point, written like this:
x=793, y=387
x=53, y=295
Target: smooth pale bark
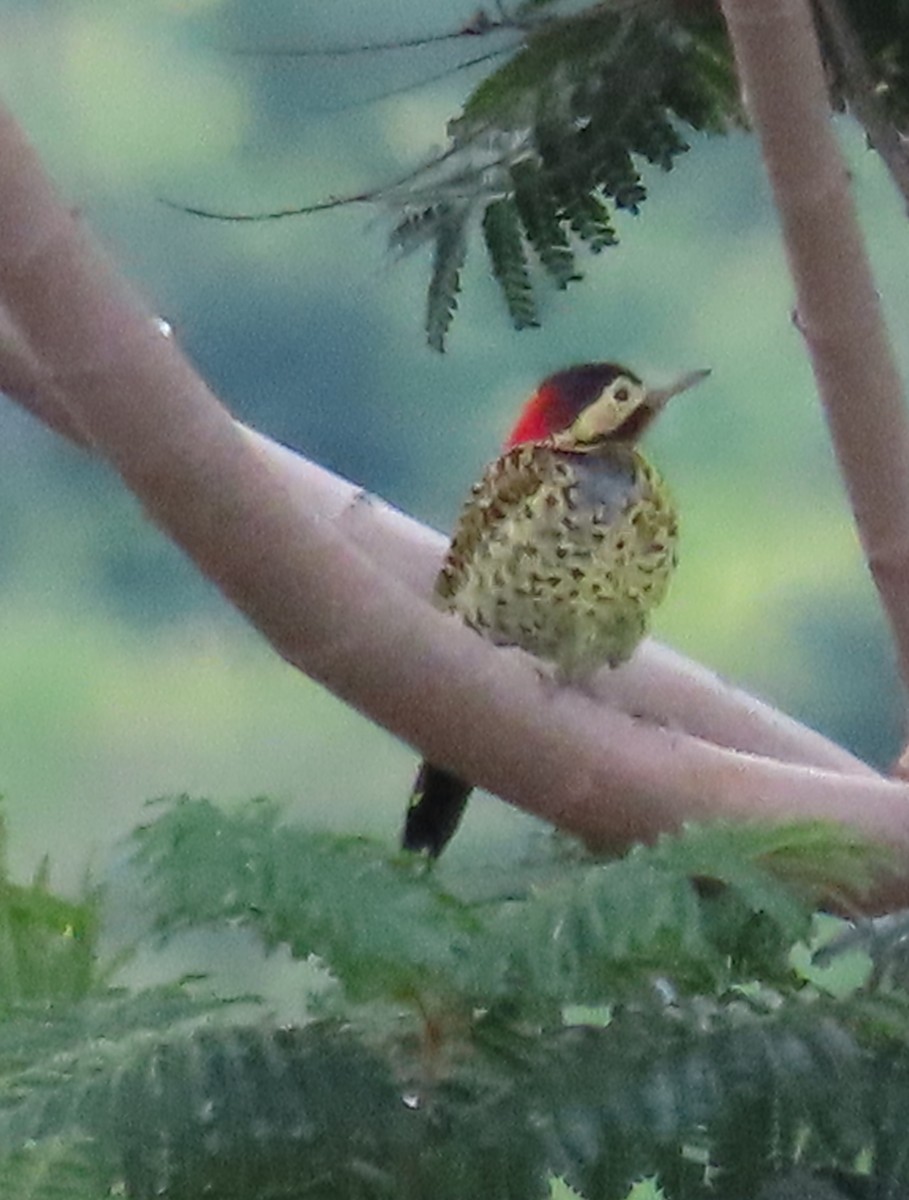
x=838, y=308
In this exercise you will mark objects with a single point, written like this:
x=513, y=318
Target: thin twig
x=413, y=85
x=480, y=25
x=371, y=196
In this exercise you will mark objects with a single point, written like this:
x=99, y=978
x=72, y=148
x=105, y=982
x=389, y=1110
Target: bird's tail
x=436, y=804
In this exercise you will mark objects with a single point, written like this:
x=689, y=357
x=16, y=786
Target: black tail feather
x=436, y=805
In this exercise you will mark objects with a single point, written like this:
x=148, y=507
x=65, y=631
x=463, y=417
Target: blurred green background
x=123, y=676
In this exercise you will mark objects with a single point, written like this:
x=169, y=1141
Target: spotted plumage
x=566, y=544
x=563, y=554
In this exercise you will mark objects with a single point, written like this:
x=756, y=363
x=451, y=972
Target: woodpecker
x=564, y=547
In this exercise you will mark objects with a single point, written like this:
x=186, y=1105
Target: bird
x=565, y=546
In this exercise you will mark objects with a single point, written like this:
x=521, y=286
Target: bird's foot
x=583, y=679
x=556, y=678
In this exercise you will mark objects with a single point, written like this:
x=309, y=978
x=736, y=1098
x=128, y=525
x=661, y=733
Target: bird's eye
x=621, y=395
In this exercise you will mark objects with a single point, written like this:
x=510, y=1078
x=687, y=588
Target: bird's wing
x=506, y=483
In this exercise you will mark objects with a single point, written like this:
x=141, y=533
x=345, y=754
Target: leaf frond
x=619, y=1021
x=563, y=130
x=379, y=925
x=445, y=282
x=502, y=235
x=57, y=1168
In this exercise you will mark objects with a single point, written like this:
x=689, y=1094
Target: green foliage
x=882, y=30
x=502, y=235
x=709, y=906
x=550, y=143
x=54, y=1169
x=637, y=1019
x=65, y=1037
x=555, y=138
x=565, y=129
x=48, y=945
x=450, y=253
x=318, y=894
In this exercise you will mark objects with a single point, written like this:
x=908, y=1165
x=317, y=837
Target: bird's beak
x=657, y=397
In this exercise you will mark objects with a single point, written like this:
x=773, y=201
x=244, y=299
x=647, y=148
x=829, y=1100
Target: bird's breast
x=563, y=554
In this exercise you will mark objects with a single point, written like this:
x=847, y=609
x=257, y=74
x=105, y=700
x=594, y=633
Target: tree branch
x=330, y=610
x=658, y=685
x=839, y=312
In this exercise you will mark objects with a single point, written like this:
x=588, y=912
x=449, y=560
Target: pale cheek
x=601, y=418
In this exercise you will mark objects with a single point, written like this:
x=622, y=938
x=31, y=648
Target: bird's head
x=591, y=405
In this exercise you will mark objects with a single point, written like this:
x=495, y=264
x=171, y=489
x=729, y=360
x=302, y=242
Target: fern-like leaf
x=57, y=1065
x=502, y=234
x=445, y=282
x=58, y=1168
x=704, y=907
x=245, y=1112
x=747, y=1095
x=589, y=218
x=48, y=944
x=540, y=216
x=416, y=228
x=586, y=99
x=380, y=926
x=816, y=859
x=703, y=1059
x=712, y=906
x=596, y=90
x=248, y=1112
x=585, y=940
